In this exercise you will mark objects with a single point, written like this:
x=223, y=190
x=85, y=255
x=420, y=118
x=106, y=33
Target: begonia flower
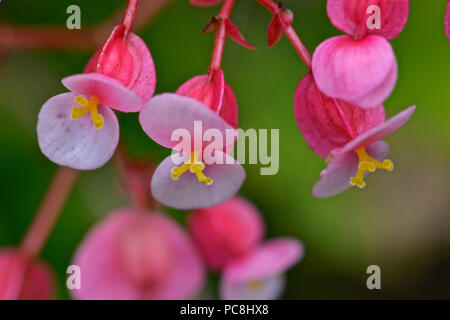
x=226, y=231
x=353, y=16
x=79, y=129
x=260, y=274
x=361, y=72
x=205, y=175
x=348, y=135
x=135, y=255
x=447, y=22
x=24, y=278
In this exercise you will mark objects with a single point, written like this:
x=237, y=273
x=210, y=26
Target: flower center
x=255, y=285
x=194, y=166
x=86, y=107
x=367, y=163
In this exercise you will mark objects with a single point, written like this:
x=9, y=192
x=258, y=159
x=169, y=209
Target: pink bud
x=359, y=18
x=226, y=231
x=24, y=279
x=360, y=72
x=138, y=255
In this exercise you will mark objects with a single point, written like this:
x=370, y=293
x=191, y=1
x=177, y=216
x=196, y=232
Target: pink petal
x=226, y=231
x=379, y=132
x=165, y=113
x=234, y=33
x=336, y=177
x=447, y=22
x=274, y=32
x=110, y=91
x=229, y=110
x=269, y=259
x=360, y=72
x=22, y=279
x=127, y=60
x=350, y=16
x=270, y=288
x=320, y=121
x=210, y=94
x=75, y=143
x=187, y=193
x=204, y=3
x=105, y=274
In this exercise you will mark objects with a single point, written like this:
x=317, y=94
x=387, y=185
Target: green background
x=400, y=221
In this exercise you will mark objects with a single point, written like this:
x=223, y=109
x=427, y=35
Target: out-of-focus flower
x=350, y=136
x=351, y=16
x=226, y=231
x=138, y=255
x=260, y=274
x=23, y=278
x=361, y=72
x=120, y=76
x=207, y=175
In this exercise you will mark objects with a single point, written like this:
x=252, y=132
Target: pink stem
x=49, y=211
x=130, y=15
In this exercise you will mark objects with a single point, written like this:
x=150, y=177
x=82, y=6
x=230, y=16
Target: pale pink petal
x=350, y=16
x=319, y=118
x=204, y=3
x=336, y=177
x=105, y=274
x=447, y=22
x=127, y=60
x=270, y=288
x=210, y=94
x=361, y=72
x=165, y=113
x=188, y=193
x=24, y=279
x=75, y=143
x=271, y=258
x=110, y=91
x=379, y=132
x=226, y=231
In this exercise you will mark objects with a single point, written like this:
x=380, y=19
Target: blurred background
x=400, y=221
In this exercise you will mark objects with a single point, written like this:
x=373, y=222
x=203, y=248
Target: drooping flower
x=204, y=175
x=353, y=16
x=138, y=255
x=79, y=129
x=22, y=278
x=260, y=274
x=226, y=231
x=348, y=135
x=361, y=72
x=447, y=22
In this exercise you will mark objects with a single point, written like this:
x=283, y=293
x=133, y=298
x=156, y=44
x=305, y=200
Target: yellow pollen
x=255, y=285
x=367, y=163
x=194, y=166
x=86, y=107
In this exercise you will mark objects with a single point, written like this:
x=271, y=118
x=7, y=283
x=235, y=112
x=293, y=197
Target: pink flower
x=22, y=278
x=351, y=16
x=120, y=76
x=138, y=255
x=361, y=72
x=226, y=231
x=260, y=274
x=203, y=179
x=447, y=21
x=349, y=135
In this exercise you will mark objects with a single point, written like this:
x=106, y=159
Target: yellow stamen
x=86, y=107
x=194, y=166
x=255, y=285
x=367, y=163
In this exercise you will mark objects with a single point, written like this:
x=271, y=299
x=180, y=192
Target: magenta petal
x=204, y=3
x=447, y=22
x=380, y=131
x=104, y=269
x=350, y=16
x=270, y=288
x=319, y=118
x=75, y=143
x=165, y=113
x=361, y=72
x=111, y=92
x=188, y=193
x=336, y=177
x=229, y=110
